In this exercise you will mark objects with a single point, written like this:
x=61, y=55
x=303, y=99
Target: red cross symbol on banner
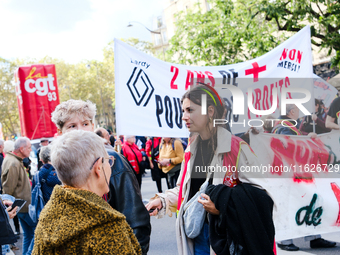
x=256, y=70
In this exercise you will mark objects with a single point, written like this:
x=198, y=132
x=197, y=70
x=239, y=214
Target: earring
x=210, y=120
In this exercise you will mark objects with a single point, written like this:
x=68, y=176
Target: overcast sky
x=71, y=29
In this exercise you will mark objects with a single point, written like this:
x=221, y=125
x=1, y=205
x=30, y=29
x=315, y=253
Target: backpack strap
x=36, y=178
x=154, y=151
x=135, y=156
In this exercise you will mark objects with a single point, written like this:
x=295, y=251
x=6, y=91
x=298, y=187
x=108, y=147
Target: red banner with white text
x=37, y=95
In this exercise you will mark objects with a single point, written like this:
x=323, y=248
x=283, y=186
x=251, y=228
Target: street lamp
x=153, y=32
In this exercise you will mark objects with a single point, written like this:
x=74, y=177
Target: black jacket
x=6, y=234
x=244, y=225
x=125, y=197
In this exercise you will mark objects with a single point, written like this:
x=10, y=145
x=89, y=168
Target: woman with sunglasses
x=232, y=225
x=76, y=220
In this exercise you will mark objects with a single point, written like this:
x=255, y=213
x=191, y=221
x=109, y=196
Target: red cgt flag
x=37, y=95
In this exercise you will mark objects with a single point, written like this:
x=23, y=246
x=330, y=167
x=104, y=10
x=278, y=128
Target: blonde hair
x=68, y=109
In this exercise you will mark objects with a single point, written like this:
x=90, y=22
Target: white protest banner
x=149, y=91
x=303, y=177
x=323, y=90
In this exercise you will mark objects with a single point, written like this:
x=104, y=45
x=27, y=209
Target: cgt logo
x=41, y=85
x=140, y=87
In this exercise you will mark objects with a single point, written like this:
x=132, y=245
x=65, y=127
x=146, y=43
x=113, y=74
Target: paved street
x=163, y=236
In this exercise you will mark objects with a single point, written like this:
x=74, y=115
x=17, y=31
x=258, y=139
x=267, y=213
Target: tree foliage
x=87, y=80
x=234, y=31
x=144, y=46
x=8, y=101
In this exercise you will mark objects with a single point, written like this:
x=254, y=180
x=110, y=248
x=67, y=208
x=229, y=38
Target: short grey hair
x=44, y=154
x=2, y=142
x=8, y=146
x=67, y=110
x=73, y=154
x=289, y=107
x=21, y=142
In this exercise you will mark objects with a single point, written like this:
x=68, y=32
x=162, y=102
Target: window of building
x=159, y=21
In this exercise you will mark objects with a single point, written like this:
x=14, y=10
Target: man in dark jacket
x=124, y=195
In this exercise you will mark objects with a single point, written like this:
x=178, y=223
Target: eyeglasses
x=111, y=161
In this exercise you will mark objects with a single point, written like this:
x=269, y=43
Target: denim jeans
x=201, y=242
x=28, y=227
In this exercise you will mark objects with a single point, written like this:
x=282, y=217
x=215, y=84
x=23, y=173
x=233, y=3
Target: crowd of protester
x=93, y=175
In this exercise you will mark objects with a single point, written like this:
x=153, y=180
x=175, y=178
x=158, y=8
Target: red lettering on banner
x=287, y=83
x=298, y=153
x=200, y=77
x=302, y=153
x=257, y=100
x=252, y=102
x=320, y=153
x=336, y=191
x=190, y=79
x=278, y=93
x=280, y=84
x=265, y=98
x=299, y=56
x=211, y=78
x=284, y=54
x=282, y=150
x=292, y=54
x=172, y=84
x=262, y=98
x=271, y=93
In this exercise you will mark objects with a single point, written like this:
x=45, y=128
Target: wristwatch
x=170, y=160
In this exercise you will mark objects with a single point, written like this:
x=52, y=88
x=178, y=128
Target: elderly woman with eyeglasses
x=125, y=195
x=76, y=220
